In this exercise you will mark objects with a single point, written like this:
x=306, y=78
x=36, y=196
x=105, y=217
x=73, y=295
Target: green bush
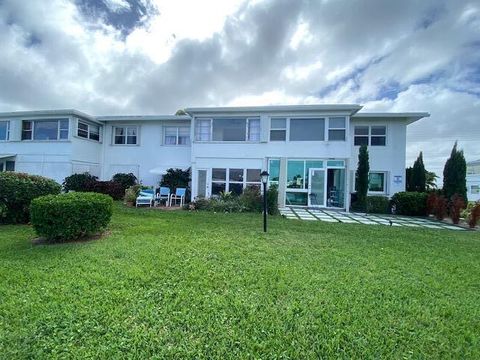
x=79, y=182
x=378, y=205
x=111, y=188
x=272, y=200
x=132, y=193
x=17, y=190
x=126, y=180
x=70, y=216
x=251, y=199
x=410, y=203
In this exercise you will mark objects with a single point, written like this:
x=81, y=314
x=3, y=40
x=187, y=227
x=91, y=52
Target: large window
x=370, y=135
x=234, y=180
x=307, y=129
x=376, y=182
x=227, y=129
x=274, y=171
x=88, y=131
x=7, y=165
x=177, y=135
x=4, y=130
x=278, y=129
x=336, y=128
x=125, y=135
x=48, y=129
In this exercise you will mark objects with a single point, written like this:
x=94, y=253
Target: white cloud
x=117, y=5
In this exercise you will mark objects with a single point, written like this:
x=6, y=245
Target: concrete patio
x=360, y=218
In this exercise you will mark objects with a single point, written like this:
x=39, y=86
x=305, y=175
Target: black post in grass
x=264, y=176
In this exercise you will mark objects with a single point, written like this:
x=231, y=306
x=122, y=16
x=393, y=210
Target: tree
x=181, y=112
x=418, y=174
x=454, y=175
x=176, y=178
x=430, y=180
x=409, y=179
x=361, y=176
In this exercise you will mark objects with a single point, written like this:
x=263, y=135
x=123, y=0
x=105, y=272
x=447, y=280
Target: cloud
x=152, y=56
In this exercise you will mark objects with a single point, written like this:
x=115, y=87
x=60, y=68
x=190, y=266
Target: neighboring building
x=473, y=180
x=310, y=151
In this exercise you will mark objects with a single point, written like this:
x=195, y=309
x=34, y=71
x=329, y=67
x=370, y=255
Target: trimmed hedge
x=378, y=204
x=70, y=216
x=79, y=182
x=17, y=190
x=410, y=203
x=112, y=188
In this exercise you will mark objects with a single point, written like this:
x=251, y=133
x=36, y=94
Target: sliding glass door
x=316, y=187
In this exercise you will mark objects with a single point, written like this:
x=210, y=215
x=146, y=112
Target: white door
x=316, y=187
x=202, y=183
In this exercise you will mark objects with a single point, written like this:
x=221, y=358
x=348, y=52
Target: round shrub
x=378, y=204
x=126, y=180
x=410, y=203
x=79, y=182
x=70, y=216
x=17, y=190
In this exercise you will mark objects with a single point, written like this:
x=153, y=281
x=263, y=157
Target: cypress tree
x=455, y=174
x=362, y=176
x=408, y=179
x=418, y=174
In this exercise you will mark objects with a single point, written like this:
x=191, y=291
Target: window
x=55, y=129
x=336, y=128
x=475, y=189
x=7, y=165
x=274, y=171
x=307, y=129
x=203, y=129
x=88, y=131
x=177, y=135
x=227, y=129
x=376, y=182
x=295, y=174
x=253, y=126
x=278, y=129
x=126, y=135
x=370, y=135
x=4, y=130
x=238, y=179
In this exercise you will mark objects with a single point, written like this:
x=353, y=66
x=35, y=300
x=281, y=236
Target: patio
x=361, y=218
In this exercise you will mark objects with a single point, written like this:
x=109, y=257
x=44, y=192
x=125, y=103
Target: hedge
x=378, y=204
x=17, y=190
x=70, y=216
x=410, y=203
x=89, y=183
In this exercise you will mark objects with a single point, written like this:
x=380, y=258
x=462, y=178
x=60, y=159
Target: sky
x=108, y=57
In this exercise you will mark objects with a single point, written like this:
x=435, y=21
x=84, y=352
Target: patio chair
x=146, y=197
x=179, y=195
x=163, y=194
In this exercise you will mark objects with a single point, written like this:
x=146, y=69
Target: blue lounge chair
x=179, y=195
x=146, y=197
x=163, y=194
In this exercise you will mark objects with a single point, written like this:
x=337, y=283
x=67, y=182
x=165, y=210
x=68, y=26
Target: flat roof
x=351, y=108
x=35, y=113
x=409, y=116
x=143, y=118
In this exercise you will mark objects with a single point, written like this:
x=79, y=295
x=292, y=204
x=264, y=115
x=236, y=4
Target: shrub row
x=71, y=215
x=250, y=200
x=88, y=183
x=17, y=190
x=410, y=203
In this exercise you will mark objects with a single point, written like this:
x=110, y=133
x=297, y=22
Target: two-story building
x=310, y=151
x=473, y=180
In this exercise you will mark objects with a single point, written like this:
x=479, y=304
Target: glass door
x=316, y=187
x=202, y=183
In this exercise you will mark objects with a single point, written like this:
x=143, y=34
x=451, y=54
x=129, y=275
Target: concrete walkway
x=368, y=219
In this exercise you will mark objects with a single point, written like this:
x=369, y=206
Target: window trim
x=7, y=133
x=3, y=163
x=89, y=132
x=385, y=186
x=137, y=127
x=278, y=129
x=35, y=120
x=344, y=128
x=369, y=136
x=177, y=136
x=212, y=119
x=227, y=180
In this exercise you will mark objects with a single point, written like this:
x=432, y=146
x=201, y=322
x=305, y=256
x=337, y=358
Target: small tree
x=454, y=175
x=430, y=180
x=181, y=112
x=418, y=174
x=361, y=176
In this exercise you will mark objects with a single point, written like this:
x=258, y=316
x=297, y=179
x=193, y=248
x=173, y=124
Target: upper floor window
x=278, y=129
x=227, y=129
x=177, y=135
x=307, y=129
x=88, y=131
x=125, y=135
x=48, y=129
x=370, y=135
x=4, y=130
x=336, y=128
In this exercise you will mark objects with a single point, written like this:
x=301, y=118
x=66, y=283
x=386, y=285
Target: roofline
x=59, y=112
x=410, y=116
x=143, y=118
x=352, y=108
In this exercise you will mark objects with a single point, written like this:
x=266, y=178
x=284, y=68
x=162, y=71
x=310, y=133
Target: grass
x=203, y=285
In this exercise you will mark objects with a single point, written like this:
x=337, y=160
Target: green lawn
x=202, y=285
